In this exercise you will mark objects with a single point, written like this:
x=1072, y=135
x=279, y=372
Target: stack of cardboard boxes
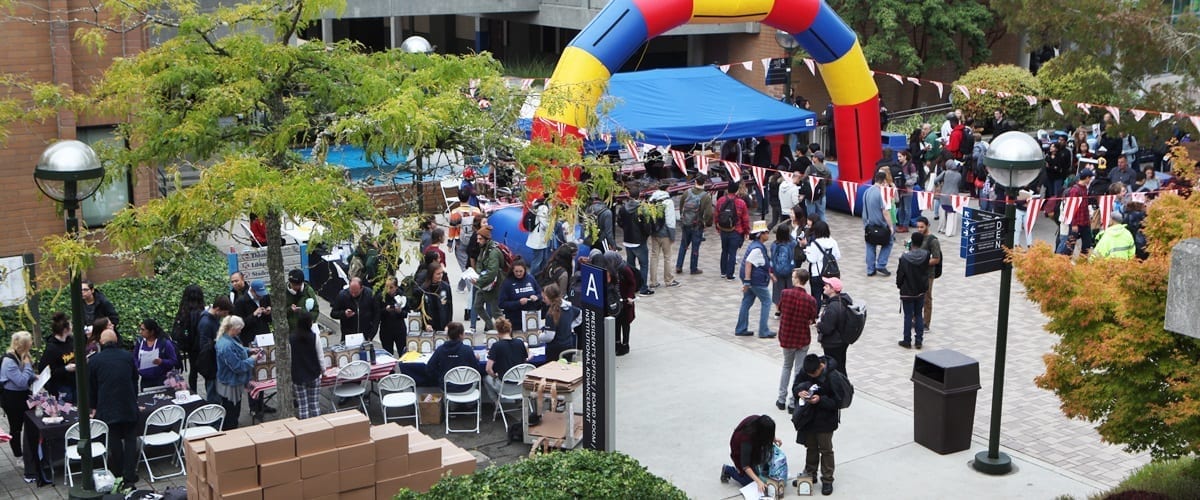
x=334, y=456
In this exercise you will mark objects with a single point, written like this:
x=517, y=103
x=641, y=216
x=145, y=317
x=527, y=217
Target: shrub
x=1082, y=82
x=137, y=298
x=1164, y=479
x=1014, y=80
x=575, y=474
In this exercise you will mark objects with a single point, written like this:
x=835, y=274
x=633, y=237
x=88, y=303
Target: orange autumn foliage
x=1115, y=364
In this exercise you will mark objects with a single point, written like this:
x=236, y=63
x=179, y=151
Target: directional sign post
x=982, y=241
x=599, y=363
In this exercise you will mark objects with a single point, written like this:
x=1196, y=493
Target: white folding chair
x=351, y=382
x=398, y=391
x=167, y=423
x=204, y=421
x=571, y=356
x=99, y=447
x=510, y=390
x=462, y=375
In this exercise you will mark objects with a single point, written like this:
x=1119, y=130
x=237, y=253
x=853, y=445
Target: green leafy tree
x=1017, y=82
x=1115, y=364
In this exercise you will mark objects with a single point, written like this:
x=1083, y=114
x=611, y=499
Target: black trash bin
x=945, y=384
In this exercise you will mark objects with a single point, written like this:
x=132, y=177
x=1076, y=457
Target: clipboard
x=42, y=379
x=265, y=340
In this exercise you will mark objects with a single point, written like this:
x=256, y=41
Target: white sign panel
x=253, y=263
x=12, y=281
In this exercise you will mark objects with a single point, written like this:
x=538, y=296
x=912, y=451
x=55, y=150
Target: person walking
x=487, y=286
x=695, y=214
x=756, y=277
x=113, y=377
x=820, y=390
x=832, y=323
x=821, y=248
x=733, y=223
x=306, y=367
x=934, y=247
x=799, y=314
x=912, y=278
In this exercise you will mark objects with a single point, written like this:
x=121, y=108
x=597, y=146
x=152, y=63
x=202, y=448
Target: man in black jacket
x=833, y=322
x=114, y=390
x=912, y=278
x=354, y=308
x=255, y=308
x=637, y=252
x=96, y=305
x=820, y=390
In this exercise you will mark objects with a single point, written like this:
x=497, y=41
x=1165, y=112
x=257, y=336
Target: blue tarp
x=691, y=105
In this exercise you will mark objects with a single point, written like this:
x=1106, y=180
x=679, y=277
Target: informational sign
x=12, y=281
x=253, y=263
x=599, y=361
x=777, y=71
x=982, y=241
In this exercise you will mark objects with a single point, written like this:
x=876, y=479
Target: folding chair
x=99, y=449
x=351, y=382
x=510, y=390
x=398, y=391
x=204, y=421
x=169, y=420
x=462, y=375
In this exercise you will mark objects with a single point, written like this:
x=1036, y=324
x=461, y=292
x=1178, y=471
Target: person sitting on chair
x=502, y=356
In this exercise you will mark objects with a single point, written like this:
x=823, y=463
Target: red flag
x=1069, y=206
x=889, y=194
x=1105, y=208
x=680, y=161
x=734, y=170
x=702, y=164
x=925, y=199
x=1033, y=210
x=633, y=150
x=759, y=174
x=959, y=201
x=851, y=190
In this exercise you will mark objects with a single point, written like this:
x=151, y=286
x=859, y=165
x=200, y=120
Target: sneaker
x=884, y=272
x=30, y=479
x=826, y=488
x=917, y=345
x=655, y=285
x=697, y=271
x=780, y=405
x=791, y=410
x=646, y=293
x=872, y=273
x=904, y=344
x=769, y=335
x=672, y=284
x=744, y=334
x=724, y=475
x=730, y=277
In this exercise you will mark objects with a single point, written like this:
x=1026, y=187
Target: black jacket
x=113, y=377
x=824, y=416
x=628, y=217
x=255, y=325
x=58, y=354
x=306, y=366
x=100, y=308
x=912, y=273
x=833, y=321
x=365, y=316
x=391, y=321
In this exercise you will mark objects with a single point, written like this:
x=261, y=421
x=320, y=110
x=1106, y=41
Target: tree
x=1115, y=363
x=918, y=36
x=1015, y=81
x=1087, y=82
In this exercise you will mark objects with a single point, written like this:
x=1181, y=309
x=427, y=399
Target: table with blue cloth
x=420, y=372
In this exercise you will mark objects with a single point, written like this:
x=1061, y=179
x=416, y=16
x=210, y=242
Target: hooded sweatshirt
x=912, y=274
x=634, y=237
x=57, y=355
x=511, y=293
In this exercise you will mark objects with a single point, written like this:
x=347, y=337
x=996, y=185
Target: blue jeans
x=690, y=237
x=736, y=475
x=639, y=258
x=877, y=258
x=763, y=295
x=539, y=259
x=902, y=218
x=731, y=241
x=818, y=207
x=914, y=309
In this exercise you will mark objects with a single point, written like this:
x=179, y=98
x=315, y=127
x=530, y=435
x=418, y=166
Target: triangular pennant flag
x=1105, y=208
x=925, y=200
x=766, y=62
x=888, y=193
x=812, y=67
x=1085, y=107
x=680, y=160
x=546, y=83
x=851, y=190
x=812, y=186
x=749, y=65
x=939, y=87
x=915, y=81
x=724, y=68
x=1031, y=100
x=1002, y=95
x=786, y=176
x=1034, y=208
x=1069, y=206
x=526, y=83
x=759, y=174
x=959, y=201
x=963, y=89
x=899, y=79
x=1195, y=121
x=1057, y=105
x=702, y=163
x=1116, y=113
x=1165, y=115
x=872, y=72
x=561, y=128
x=1137, y=196
x=735, y=171
x=633, y=150
x=982, y=91
x=1137, y=114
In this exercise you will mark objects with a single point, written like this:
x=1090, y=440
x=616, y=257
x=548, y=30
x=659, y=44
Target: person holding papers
x=156, y=355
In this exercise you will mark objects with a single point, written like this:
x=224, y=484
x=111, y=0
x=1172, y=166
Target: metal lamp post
x=1014, y=160
x=70, y=172
x=789, y=44
x=418, y=45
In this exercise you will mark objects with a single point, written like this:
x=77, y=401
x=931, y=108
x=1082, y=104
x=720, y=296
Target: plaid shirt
x=799, y=312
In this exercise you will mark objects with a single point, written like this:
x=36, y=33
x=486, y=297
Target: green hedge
x=575, y=474
x=1179, y=478
x=137, y=298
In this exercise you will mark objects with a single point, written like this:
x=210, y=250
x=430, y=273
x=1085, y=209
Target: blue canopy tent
x=688, y=105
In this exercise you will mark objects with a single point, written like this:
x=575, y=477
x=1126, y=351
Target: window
x=117, y=192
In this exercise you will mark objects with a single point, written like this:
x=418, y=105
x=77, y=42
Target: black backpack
x=829, y=263
x=727, y=215
x=966, y=145
x=529, y=222
x=206, y=360
x=856, y=321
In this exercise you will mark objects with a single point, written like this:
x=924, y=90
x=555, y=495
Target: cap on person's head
x=485, y=231
x=1102, y=150
x=296, y=276
x=835, y=283
x=759, y=226
x=820, y=155
x=260, y=288
x=811, y=363
x=1086, y=173
x=469, y=173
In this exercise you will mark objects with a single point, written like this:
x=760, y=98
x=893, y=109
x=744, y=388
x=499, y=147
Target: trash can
x=945, y=384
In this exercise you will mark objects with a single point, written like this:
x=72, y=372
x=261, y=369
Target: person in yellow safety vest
x=1116, y=241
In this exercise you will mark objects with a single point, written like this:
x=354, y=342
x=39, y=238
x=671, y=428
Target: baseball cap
x=820, y=155
x=296, y=276
x=260, y=289
x=1086, y=173
x=835, y=283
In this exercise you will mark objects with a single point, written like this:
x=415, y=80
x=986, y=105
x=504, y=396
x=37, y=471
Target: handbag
x=877, y=234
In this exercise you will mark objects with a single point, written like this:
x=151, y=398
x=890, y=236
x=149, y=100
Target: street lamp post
x=1014, y=160
x=69, y=172
x=789, y=44
x=418, y=45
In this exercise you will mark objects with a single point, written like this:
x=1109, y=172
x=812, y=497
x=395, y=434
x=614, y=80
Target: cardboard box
x=205, y=492
x=391, y=440
x=423, y=453
x=422, y=481
x=359, y=477
x=430, y=407
x=195, y=460
x=231, y=451
x=234, y=481
x=391, y=468
x=458, y=462
x=349, y=428
x=319, y=463
x=254, y=494
x=312, y=436
x=387, y=489
x=277, y=425
x=367, y=493
x=285, y=491
x=356, y=455
x=281, y=472
x=273, y=445
x=319, y=486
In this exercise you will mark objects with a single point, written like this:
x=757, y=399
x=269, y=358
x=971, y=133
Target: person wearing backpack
x=912, y=278
x=822, y=254
x=206, y=353
x=783, y=261
x=661, y=239
x=822, y=172
x=487, y=289
x=733, y=222
x=831, y=327
x=821, y=391
x=695, y=213
x=632, y=217
x=756, y=276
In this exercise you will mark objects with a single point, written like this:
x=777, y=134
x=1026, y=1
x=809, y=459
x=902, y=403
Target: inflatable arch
x=623, y=25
